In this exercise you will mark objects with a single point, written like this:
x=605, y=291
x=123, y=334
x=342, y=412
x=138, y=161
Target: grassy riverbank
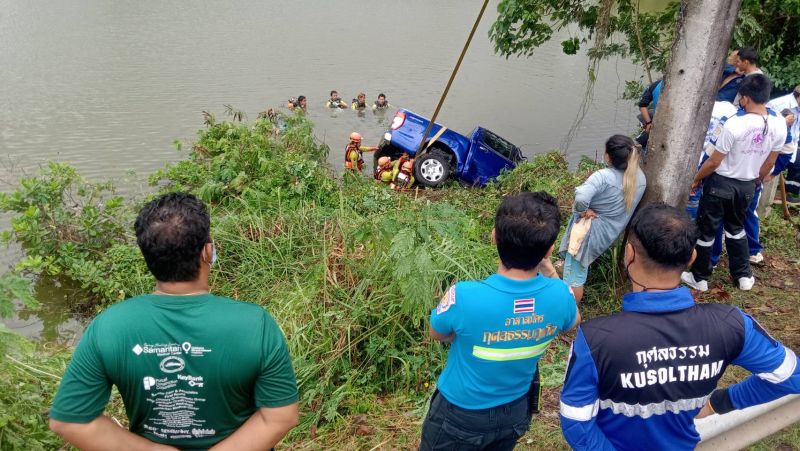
x=349, y=269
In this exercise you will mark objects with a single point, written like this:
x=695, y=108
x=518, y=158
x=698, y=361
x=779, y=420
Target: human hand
x=648, y=127
x=546, y=268
x=695, y=185
x=705, y=411
x=589, y=214
x=768, y=178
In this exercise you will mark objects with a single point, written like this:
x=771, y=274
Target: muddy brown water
x=107, y=86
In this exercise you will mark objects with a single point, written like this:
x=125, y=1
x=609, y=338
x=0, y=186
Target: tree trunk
x=768, y=191
x=691, y=81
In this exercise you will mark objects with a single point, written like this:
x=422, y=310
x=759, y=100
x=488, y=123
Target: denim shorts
x=574, y=273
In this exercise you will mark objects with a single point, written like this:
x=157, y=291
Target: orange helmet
x=408, y=165
x=383, y=161
x=355, y=136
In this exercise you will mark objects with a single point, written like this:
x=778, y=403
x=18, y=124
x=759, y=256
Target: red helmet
x=355, y=136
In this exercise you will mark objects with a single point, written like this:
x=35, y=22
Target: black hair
x=333, y=92
x=171, y=232
x=748, y=54
x=381, y=95
x=664, y=234
x=300, y=99
x=618, y=148
x=796, y=91
x=526, y=225
x=757, y=87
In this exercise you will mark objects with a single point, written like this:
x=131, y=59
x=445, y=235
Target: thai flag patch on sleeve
x=524, y=305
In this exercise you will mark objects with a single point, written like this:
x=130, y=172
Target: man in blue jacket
x=638, y=379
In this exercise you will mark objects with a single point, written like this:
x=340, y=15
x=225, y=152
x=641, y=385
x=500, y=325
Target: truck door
x=484, y=163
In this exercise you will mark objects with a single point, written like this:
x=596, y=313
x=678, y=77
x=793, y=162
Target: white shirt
x=788, y=101
x=746, y=145
x=719, y=115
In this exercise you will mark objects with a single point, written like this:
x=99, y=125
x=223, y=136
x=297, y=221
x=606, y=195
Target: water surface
x=108, y=85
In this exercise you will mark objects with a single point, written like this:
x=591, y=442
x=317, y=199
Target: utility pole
x=702, y=39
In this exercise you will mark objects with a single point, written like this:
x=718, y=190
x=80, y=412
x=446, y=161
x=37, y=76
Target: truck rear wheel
x=432, y=169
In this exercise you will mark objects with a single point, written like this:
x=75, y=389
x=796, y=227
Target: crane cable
x=422, y=145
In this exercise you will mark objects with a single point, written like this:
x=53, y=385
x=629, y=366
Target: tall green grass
x=349, y=268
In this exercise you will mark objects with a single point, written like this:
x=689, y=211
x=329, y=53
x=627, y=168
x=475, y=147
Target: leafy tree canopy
x=620, y=28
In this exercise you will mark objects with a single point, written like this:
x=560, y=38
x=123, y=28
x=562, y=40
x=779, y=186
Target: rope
x=450, y=82
x=435, y=137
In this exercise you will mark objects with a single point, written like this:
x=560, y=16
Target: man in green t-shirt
x=194, y=370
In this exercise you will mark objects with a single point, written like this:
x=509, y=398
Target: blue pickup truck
x=476, y=160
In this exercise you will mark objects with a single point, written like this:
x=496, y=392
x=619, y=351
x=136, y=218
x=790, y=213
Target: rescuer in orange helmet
x=383, y=173
x=354, y=153
x=403, y=177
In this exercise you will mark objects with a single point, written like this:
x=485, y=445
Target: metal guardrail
x=740, y=428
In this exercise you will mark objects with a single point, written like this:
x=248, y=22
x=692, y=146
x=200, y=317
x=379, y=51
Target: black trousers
x=449, y=427
x=793, y=177
x=724, y=199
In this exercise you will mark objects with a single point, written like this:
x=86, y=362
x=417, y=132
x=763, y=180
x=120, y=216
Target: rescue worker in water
x=354, y=153
x=360, y=102
x=383, y=172
x=403, y=173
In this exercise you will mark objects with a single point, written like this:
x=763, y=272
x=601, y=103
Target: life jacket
x=383, y=175
x=397, y=166
x=349, y=164
x=377, y=106
x=401, y=178
x=356, y=105
x=332, y=104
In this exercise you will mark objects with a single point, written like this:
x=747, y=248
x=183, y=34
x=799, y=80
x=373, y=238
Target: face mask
x=628, y=273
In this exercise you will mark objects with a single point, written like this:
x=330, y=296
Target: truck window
x=500, y=145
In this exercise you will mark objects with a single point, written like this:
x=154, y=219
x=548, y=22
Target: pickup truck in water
x=476, y=160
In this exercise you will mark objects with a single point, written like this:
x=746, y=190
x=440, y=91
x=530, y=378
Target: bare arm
x=103, y=434
x=577, y=321
x=648, y=121
x=263, y=430
x=443, y=338
x=766, y=167
x=545, y=267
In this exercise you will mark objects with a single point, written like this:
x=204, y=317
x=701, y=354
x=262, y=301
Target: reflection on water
x=54, y=321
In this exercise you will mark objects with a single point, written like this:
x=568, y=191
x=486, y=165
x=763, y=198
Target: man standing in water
x=194, y=370
x=499, y=328
x=381, y=104
x=360, y=102
x=335, y=101
x=354, y=153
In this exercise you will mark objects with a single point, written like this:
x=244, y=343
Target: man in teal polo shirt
x=194, y=370
x=499, y=327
